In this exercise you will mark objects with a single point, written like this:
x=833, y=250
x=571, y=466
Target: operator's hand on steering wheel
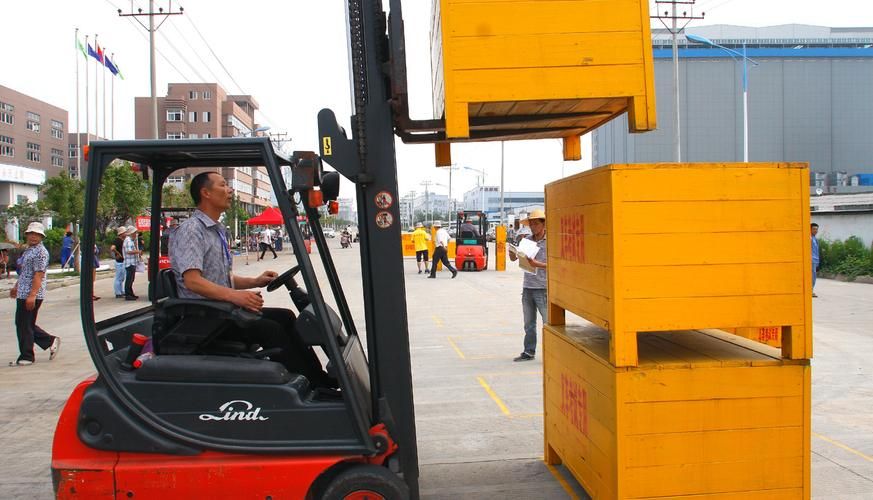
x=265, y=278
x=250, y=301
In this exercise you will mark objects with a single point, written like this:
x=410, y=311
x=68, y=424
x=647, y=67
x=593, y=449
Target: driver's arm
x=195, y=282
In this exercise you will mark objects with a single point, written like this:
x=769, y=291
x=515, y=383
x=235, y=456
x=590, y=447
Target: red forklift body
x=471, y=251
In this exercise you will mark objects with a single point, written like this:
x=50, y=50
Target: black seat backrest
x=166, y=285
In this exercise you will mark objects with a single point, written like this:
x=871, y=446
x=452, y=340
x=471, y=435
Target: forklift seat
x=217, y=369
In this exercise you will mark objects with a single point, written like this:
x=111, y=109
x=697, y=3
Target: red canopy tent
x=270, y=217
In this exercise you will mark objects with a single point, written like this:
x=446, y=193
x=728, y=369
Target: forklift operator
x=203, y=267
x=468, y=227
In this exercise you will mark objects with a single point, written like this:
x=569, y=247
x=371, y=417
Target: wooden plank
x=544, y=50
x=706, y=181
x=586, y=354
x=712, y=383
x=692, y=313
x=774, y=494
x=690, y=479
x=589, y=277
x=734, y=445
x=712, y=415
x=496, y=108
x=706, y=348
x=493, y=18
x=717, y=280
x=597, y=219
x=575, y=82
x=706, y=248
x=692, y=216
x=594, y=308
x=596, y=187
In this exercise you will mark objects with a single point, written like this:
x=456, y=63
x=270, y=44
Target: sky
x=291, y=55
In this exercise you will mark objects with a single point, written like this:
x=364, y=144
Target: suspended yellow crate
x=509, y=69
x=637, y=248
x=703, y=415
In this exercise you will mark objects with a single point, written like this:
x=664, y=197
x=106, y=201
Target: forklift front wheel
x=365, y=481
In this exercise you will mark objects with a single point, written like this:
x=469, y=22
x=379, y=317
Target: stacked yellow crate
x=649, y=403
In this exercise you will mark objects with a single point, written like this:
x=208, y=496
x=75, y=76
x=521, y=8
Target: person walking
x=67, y=250
x=117, y=252
x=29, y=292
x=813, y=230
x=533, y=291
x=441, y=252
x=267, y=242
x=420, y=239
x=131, y=253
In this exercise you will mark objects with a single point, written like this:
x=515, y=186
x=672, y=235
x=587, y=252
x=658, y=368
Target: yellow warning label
x=326, y=150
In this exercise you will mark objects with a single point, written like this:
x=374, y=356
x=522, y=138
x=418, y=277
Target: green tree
x=235, y=213
x=65, y=197
x=25, y=213
x=123, y=195
x=173, y=197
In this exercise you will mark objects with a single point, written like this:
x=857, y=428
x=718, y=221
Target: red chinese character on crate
x=768, y=333
x=572, y=233
x=574, y=404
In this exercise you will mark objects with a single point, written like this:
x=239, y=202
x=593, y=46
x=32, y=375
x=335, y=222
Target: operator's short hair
x=199, y=182
x=813, y=225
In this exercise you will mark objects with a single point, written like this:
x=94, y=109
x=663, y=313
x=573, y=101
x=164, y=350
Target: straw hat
x=437, y=224
x=419, y=224
x=131, y=230
x=36, y=227
x=121, y=230
x=537, y=213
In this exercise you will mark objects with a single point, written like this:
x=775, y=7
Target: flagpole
x=78, y=122
x=103, y=84
x=96, y=84
x=87, y=104
x=112, y=114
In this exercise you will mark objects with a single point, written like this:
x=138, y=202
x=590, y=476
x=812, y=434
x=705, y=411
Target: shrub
x=851, y=257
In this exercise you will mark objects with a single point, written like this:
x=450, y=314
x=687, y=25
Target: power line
x=197, y=54
x=197, y=30
x=182, y=56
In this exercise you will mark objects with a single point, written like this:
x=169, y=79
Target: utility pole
x=686, y=17
x=152, y=29
x=426, y=185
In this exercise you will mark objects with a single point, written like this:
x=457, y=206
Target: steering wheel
x=283, y=279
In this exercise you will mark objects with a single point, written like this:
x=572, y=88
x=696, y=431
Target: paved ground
x=479, y=415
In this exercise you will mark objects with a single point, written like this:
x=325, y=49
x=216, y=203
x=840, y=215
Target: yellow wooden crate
x=704, y=415
x=637, y=248
x=511, y=69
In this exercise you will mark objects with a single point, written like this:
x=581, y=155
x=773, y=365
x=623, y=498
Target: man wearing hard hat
x=533, y=292
x=29, y=292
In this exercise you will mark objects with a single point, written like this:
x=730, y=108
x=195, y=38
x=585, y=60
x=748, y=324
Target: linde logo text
x=236, y=410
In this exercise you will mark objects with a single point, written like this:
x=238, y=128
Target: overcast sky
x=291, y=56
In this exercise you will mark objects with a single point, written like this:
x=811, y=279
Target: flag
x=93, y=53
x=99, y=52
x=110, y=66
x=81, y=48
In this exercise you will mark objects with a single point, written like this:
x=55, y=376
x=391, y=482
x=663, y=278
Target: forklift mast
x=368, y=160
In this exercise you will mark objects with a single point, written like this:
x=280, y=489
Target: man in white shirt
x=441, y=251
x=267, y=242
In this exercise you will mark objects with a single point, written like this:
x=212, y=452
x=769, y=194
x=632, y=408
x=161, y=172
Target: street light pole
x=734, y=54
x=501, y=184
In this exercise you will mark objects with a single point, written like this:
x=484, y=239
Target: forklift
x=471, y=252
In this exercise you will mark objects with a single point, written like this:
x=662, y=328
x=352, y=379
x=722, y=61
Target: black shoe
x=454, y=273
x=431, y=276
x=524, y=357
x=419, y=271
x=117, y=296
x=131, y=298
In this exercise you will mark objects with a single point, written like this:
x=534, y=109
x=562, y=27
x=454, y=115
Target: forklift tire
x=365, y=482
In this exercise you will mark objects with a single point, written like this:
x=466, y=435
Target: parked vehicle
x=329, y=233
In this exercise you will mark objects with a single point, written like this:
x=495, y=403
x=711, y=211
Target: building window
x=32, y=116
x=33, y=126
x=33, y=152
x=192, y=116
x=207, y=116
x=6, y=113
x=74, y=151
x=175, y=135
x=57, y=158
x=6, y=146
x=207, y=95
x=192, y=136
x=174, y=115
x=73, y=171
x=192, y=95
x=207, y=136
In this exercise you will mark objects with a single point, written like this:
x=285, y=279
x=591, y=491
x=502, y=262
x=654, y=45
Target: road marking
x=437, y=321
x=843, y=446
x=493, y=395
x=563, y=482
x=456, y=348
x=527, y=415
